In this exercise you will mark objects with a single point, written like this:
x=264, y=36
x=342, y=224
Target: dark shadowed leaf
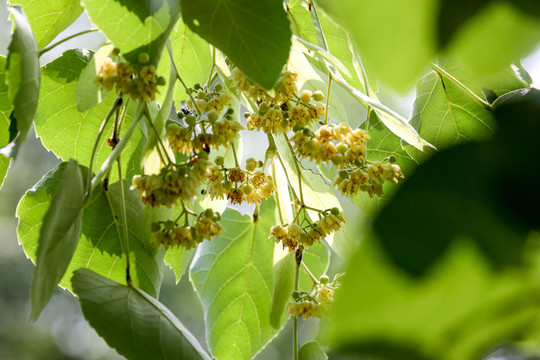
x=135, y=26
x=131, y=321
x=255, y=35
x=470, y=190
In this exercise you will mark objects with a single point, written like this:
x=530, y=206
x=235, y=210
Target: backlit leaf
x=87, y=93
x=311, y=351
x=445, y=115
x=131, y=321
x=192, y=58
x=233, y=277
x=49, y=18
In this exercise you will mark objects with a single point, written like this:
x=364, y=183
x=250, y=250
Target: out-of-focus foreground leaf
x=444, y=274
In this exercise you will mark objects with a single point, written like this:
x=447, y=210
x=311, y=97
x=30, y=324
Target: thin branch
x=310, y=274
x=116, y=106
x=106, y=166
x=124, y=219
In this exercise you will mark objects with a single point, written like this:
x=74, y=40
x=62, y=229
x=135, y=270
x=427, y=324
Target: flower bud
x=306, y=96
x=219, y=160
x=318, y=95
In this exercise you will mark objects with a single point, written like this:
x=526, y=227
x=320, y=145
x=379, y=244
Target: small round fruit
x=212, y=116
x=324, y=279
x=227, y=185
x=247, y=189
x=318, y=95
x=344, y=174
x=144, y=58
x=191, y=120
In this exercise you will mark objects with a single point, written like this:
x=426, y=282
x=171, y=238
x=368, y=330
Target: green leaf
x=394, y=38
x=50, y=18
x=311, y=351
x=99, y=247
x=337, y=39
x=192, y=58
x=70, y=133
x=58, y=237
x=176, y=258
x=135, y=26
x=4, y=166
x=459, y=310
x=445, y=115
x=233, y=278
x=486, y=43
x=5, y=109
x=87, y=94
x=254, y=35
x=507, y=79
x=23, y=78
x=135, y=324
x=5, y=104
x=284, y=271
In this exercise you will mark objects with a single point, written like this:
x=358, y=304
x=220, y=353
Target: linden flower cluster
x=285, y=89
x=203, y=131
x=236, y=185
x=173, y=183
x=169, y=233
x=292, y=235
x=314, y=305
x=368, y=177
x=285, y=110
x=336, y=143
x=138, y=82
x=209, y=99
